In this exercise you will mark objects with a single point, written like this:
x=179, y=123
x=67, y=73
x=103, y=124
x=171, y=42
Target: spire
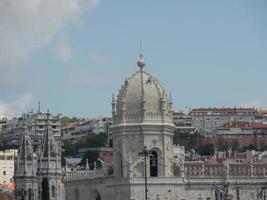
x=47, y=148
x=113, y=106
x=26, y=152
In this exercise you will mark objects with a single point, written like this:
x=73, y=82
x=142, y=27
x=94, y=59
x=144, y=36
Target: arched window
x=120, y=164
x=53, y=191
x=96, y=195
x=76, y=194
x=154, y=164
x=30, y=194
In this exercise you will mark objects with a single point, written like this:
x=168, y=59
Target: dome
x=141, y=99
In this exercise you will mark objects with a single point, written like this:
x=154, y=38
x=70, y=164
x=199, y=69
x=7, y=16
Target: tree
x=93, y=140
x=189, y=140
x=64, y=120
x=235, y=144
x=221, y=144
x=45, y=189
x=206, y=150
x=69, y=149
x=92, y=157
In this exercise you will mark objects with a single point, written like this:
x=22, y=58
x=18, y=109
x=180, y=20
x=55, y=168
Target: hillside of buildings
x=210, y=133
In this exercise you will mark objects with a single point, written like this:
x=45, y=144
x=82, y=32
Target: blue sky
x=74, y=57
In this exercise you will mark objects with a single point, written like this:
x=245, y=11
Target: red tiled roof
x=244, y=124
x=258, y=125
x=236, y=124
x=225, y=110
x=88, y=122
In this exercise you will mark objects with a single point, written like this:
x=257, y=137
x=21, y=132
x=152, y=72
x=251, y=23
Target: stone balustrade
x=85, y=174
x=135, y=116
x=197, y=170
x=192, y=170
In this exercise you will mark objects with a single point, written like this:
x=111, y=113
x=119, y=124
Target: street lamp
x=145, y=153
x=237, y=189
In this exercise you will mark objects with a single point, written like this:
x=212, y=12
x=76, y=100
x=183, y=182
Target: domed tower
x=142, y=117
x=25, y=169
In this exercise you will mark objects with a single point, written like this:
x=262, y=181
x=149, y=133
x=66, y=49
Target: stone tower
x=142, y=117
x=49, y=165
x=25, y=170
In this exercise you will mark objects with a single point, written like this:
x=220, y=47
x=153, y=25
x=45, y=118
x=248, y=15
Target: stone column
x=251, y=170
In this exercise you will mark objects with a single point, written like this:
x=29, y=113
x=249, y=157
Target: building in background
x=183, y=123
x=3, y=121
x=74, y=131
x=207, y=120
x=12, y=129
x=104, y=153
x=72, y=164
x=6, y=195
x=7, y=159
x=263, y=113
x=242, y=128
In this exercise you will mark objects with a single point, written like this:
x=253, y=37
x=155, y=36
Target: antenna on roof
x=39, y=106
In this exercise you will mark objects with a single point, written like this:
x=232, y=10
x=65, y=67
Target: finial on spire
x=170, y=96
x=141, y=61
x=140, y=45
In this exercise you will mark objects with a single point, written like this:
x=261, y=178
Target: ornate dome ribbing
x=141, y=99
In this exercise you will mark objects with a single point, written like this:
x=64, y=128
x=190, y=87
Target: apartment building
x=183, y=123
x=7, y=158
x=207, y=120
x=241, y=128
x=11, y=130
x=74, y=131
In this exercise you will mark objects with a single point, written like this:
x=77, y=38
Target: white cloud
x=15, y=108
x=64, y=52
x=257, y=103
x=28, y=25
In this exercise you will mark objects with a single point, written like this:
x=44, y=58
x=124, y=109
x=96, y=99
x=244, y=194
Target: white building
x=7, y=159
x=73, y=132
x=142, y=122
x=242, y=128
x=11, y=131
x=207, y=120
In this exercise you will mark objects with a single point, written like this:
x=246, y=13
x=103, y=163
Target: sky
x=72, y=55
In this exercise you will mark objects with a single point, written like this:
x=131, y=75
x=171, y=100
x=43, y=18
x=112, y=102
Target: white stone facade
x=33, y=169
x=142, y=117
x=7, y=158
